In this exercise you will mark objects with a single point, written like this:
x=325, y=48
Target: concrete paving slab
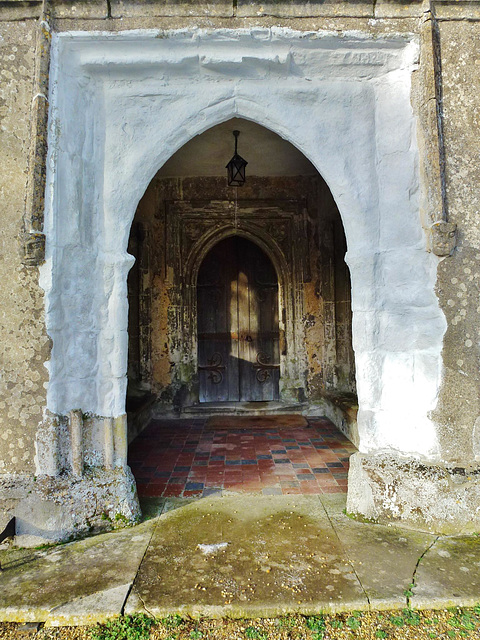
x=177, y=503
x=239, y=555
x=384, y=558
x=76, y=583
x=449, y=574
x=10, y=555
x=97, y=607
x=245, y=556
x=152, y=507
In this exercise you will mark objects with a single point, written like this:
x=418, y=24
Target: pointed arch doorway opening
x=238, y=324
x=284, y=210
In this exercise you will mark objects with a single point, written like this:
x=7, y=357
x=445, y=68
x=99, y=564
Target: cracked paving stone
x=449, y=574
x=77, y=583
x=384, y=557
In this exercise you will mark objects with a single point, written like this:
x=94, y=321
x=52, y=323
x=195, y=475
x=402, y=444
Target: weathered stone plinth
x=421, y=495
x=51, y=509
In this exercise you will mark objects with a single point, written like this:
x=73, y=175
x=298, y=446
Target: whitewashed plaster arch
x=122, y=104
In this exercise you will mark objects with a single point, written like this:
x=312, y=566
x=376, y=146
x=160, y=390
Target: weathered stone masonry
x=382, y=99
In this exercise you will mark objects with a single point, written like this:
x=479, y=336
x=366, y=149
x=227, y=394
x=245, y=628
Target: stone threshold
x=244, y=408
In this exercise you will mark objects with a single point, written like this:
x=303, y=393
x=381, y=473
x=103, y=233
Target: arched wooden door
x=238, y=336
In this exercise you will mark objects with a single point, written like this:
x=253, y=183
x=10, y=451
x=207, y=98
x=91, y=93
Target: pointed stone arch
x=332, y=98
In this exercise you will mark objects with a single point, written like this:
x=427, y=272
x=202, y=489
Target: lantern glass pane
x=236, y=171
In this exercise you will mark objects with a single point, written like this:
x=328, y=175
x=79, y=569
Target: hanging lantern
x=236, y=167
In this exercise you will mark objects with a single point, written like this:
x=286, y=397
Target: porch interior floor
x=185, y=458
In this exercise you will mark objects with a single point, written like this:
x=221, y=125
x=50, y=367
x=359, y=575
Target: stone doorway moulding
x=122, y=104
x=192, y=230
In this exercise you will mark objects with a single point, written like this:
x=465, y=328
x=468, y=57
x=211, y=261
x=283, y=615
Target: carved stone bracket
x=442, y=238
x=34, y=249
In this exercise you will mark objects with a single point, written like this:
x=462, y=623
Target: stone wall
x=446, y=496
x=24, y=344
x=458, y=284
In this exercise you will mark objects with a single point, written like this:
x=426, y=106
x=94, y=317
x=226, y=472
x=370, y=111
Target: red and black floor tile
x=183, y=458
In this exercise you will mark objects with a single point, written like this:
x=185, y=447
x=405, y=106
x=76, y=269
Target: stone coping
x=101, y=9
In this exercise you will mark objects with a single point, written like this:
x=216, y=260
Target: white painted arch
x=122, y=104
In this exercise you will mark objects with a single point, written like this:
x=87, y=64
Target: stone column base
x=53, y=509
x=430, y=497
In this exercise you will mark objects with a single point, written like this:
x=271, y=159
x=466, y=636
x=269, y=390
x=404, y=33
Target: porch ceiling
x=266, y=152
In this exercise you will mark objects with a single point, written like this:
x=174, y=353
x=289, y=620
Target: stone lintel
x=85, y=9
x=167, y=8
x=332, y=8
x=102, y=9
x=13, y=10
x=25, y=9
x=311, y=9
x=400, y=8
x=427, y=496
x=457, y=9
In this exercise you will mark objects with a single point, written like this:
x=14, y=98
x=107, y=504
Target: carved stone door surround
x=279, y=229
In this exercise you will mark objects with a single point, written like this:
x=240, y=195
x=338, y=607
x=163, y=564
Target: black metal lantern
x=236, y=167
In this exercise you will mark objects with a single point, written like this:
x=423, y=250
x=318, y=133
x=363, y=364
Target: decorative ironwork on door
x=263, y=367
x=238, y=336
x=215, y=367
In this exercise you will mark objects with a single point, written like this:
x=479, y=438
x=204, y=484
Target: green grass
x=134, y=627
x=411, y=617
x=317, y=625
x=463, y=621
x=455, y=623
x=398, y=621
x=353, y=623
x=172, y=622
x=253, y=633
x=336, y=624
x=286, y=622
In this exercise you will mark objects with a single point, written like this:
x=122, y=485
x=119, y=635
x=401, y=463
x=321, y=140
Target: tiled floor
x=183, y=458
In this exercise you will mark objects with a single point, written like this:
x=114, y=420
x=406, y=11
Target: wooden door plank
x=259, y=383
x=213, y=328
x=230, y=261
x=238, y=336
